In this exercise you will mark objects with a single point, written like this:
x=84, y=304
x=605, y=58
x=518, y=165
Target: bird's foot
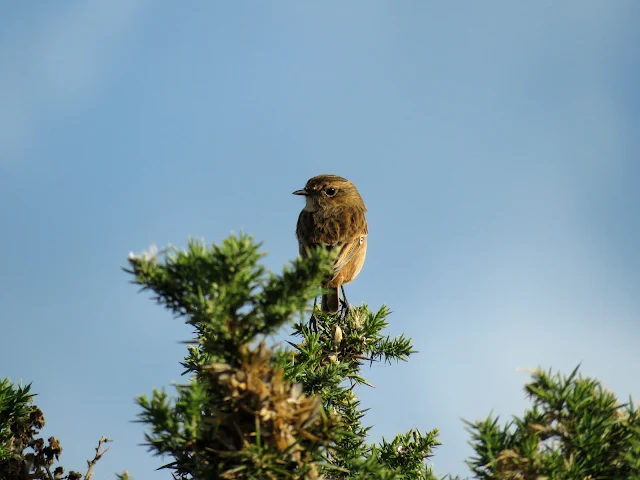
x=345, y=304
x=313, y=321
x=346, y=308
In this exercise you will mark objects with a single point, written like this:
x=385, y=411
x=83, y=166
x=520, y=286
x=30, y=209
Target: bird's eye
x=330, y=192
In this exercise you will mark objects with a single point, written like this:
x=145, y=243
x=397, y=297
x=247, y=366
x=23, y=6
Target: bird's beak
x=301, y=192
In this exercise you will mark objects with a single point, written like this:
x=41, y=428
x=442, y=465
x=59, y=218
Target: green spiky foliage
x=15, y=410
x=575, y=429
x=24, y=455
x=328, y=361
x=254, y=411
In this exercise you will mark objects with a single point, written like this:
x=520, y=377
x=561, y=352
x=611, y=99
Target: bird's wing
x=347, y=251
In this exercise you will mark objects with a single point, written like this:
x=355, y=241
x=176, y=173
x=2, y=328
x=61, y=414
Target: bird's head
x=327, y=191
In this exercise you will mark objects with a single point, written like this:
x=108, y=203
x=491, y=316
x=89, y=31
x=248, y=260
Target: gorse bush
x=576, y=429
x=255, y=411
x=25, y=456
x=249, y=409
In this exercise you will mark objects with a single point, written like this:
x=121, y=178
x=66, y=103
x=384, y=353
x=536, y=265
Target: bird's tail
x=331, y=301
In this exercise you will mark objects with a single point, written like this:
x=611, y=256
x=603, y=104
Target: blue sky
x=496, y=145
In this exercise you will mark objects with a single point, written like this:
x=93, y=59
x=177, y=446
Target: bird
x=334, y=218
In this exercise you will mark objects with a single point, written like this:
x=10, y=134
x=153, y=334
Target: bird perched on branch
x=333, y=218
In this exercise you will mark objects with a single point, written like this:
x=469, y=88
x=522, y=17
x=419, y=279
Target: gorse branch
x=575, y=429
x=24, y=455
x=249, y=411
x=225, y=294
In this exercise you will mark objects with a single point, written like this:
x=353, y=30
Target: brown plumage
x=333, y=217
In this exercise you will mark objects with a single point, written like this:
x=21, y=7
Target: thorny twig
x=98, y=456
